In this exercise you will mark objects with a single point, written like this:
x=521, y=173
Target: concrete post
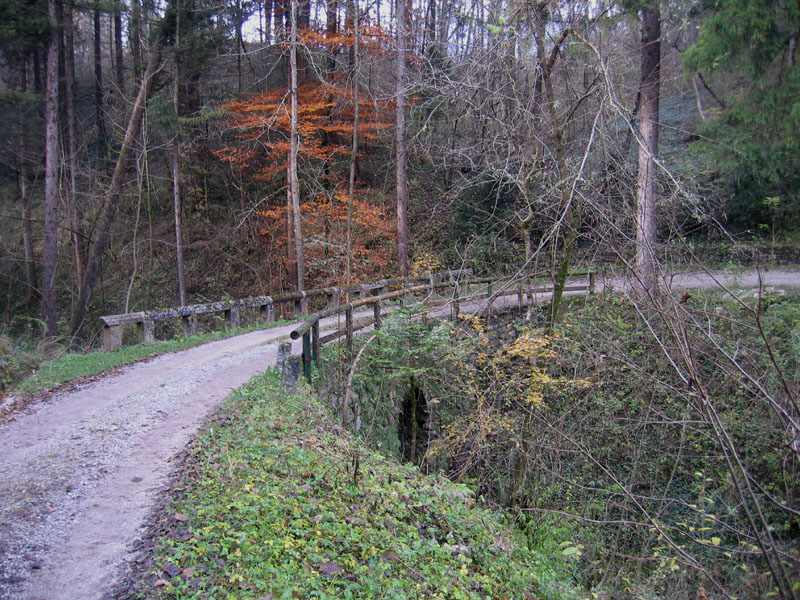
x=112, y=337
x=146, y=331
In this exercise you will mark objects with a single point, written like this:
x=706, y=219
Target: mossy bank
x=276, y=501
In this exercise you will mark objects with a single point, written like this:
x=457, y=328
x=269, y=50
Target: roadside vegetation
x=276, y=501
x=662, y=435
x=29, y=368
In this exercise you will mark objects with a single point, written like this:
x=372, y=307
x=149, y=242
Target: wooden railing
x=113, y=325
x=495, y=288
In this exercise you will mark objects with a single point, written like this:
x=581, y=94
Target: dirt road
x=79, y=475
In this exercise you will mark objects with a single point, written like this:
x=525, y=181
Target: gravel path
x=79, y=475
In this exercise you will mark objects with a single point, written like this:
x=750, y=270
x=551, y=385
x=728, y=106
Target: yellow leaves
x=425, y=262
x=476, y=322
x=531, y=345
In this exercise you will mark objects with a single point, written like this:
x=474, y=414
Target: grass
x=72, y=367
x=277, y=502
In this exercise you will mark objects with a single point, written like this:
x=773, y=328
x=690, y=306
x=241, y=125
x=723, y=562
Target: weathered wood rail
x=113, y=325
x=503, y=286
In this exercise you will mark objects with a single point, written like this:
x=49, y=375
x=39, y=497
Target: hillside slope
x=276, y=501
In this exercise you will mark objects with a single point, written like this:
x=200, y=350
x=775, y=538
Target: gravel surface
x=79, y=475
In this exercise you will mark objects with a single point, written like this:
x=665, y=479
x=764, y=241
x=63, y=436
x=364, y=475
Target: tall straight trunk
x=304, y=15
x=176, y=184
x=50, y=250
x=239, y=46
x=442, y=28
x=430, y=28
x=294, y=183
x=135, y=36
x=291, y=255
x=119, y=66
x=98, y=76
x=646, y=193
x=353, y=150
x=400, y=142
x=111, y=200
x=268, y=21
x=75, y=204
x=331, y=26
x=24, y=190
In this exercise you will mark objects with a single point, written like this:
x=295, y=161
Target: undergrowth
x=278, y=502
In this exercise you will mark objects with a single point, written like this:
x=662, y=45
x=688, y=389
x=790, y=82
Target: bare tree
x=98, y=75
x=50, y=251
x=176, y=149
x=400, y=139
x=354, y=148
x=646, y=188
x=75, y=203
x=294, y=183
x=23, y=184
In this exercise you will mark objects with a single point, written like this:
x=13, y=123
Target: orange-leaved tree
x=260, y=148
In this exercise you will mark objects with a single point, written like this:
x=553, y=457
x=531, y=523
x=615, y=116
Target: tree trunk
x=111, y=200
x=570, y=223
x=354, y=149
x=50, y=250
x=75, y=203
x=268, y=21
x=98, y=76
x=119, y=67
x=648, y=146
x=135, y=36
x=291, y=255
x=176, y=145
x=400, y=137
x=239, y=46
x=294, y=183
x=24, y=191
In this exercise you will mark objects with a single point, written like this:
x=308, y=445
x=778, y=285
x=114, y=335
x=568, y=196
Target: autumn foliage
x=259, y=126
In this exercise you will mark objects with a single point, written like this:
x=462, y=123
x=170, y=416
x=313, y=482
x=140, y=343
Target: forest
x=149, y=159
x=160, y=153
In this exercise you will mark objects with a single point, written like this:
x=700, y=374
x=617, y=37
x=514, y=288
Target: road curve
x=79, y=474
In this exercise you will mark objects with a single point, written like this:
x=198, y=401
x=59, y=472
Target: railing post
x=376, y=308
x=307, y=355
x=348, y=324
x=146, y=331
x=456, y=294
x=112, y=337
x=232, y=317
x=591, y=282
x=298, y=307
x=315, y=342
x=189, y=324
x=488, y=302
x=433, y=283
x=332, y=297
x=519, y=297
x=268, y=311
